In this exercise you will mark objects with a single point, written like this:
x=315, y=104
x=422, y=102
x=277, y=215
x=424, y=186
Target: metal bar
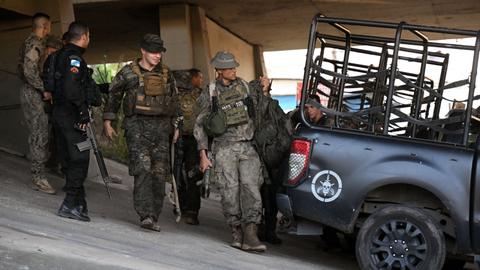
x=391, y=85
x=441, y=84
x=308, y=65
x=471, y=90
x=406, y=26
x=376, y=44
x=410, y=59
x=346, y=56
x=420, y=82
x=363, y=38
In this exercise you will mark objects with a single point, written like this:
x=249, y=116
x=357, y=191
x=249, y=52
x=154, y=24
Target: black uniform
x=71, y=108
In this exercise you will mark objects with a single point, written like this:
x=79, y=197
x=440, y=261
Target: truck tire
x=400, y=237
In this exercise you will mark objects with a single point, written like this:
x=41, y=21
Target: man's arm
x=115, y=97
x=73, y=88
x=31, y=68
x=203, y=105
x=178, y=120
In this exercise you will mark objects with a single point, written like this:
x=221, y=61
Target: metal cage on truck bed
x=394, y=84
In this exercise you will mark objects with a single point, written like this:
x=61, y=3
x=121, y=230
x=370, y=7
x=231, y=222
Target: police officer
x=150, y=105
x=71, y=117
x=52, y=45
x=237, y=165
x=189, y=190
x=32, y=98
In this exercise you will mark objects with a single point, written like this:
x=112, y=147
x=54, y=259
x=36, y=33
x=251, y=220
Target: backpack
x=272, y=134
x=50, y=76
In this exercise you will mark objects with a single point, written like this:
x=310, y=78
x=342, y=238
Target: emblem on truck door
x=326, y=186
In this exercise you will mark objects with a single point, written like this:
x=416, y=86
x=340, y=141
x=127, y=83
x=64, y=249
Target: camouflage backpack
x=272, y=133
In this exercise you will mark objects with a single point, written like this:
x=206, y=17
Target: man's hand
x=265, y=82
x=205, y=163
x=83, y=126
x=176, y=134
x=47, y=96
x=84, y=116
x=109, y=130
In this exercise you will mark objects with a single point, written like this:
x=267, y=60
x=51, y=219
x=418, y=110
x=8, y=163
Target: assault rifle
x=206, y=178
x=91, y=143
x=175, y=200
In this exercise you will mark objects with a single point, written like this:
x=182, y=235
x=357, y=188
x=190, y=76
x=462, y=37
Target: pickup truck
x=397, y=168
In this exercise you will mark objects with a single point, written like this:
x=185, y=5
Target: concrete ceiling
x=283, y=24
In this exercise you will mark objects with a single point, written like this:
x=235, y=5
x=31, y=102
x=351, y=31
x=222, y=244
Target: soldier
x=150, y=104
x=189, y=191
x=32, y=98
x=237, y=165
x=71, y=96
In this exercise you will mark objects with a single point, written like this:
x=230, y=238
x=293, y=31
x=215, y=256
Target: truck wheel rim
x=398, y=245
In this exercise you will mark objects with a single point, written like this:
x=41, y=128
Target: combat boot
x=149, y=224
x=42, y=185
x=191, y=218
x=250, y=239
x=237, y=236
x=72, y=212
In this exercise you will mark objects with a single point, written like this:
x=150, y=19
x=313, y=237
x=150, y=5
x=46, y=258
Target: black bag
x=272, y=136
x=49, y=75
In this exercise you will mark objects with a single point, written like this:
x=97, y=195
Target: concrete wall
x=175, y=30
x=220, y=39
x=192, y=40
x=116, y=29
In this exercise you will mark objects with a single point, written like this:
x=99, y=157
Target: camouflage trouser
x=37, y=123
x=239, y=178
x=148, y=146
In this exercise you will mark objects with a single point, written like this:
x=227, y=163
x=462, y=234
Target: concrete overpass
x=194, y=30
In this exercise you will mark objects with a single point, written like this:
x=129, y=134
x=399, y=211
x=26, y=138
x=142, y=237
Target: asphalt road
x=32, y=237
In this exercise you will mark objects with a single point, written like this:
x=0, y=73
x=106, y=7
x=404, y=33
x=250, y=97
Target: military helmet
x=152, y=43
x=224, y=60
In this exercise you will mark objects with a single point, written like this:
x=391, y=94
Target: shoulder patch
x=74, y=70
x=74, y=63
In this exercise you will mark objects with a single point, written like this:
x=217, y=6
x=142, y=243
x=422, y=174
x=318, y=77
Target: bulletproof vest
x=153, y=97
x=188, y=100
x=231, y=102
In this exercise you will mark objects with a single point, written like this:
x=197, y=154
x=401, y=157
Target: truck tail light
x=298, y=161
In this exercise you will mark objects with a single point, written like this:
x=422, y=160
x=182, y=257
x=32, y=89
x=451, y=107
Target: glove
x=248, y=101
x=84, y=116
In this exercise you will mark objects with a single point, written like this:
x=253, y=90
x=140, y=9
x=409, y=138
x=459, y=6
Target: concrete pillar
x=175, y=30
x=258, y=61
x=65, y=8
x=201, y=43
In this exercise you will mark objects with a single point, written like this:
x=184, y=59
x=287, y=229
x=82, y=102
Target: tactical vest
x=153, y=97
x=231, y=102
x=188, y=100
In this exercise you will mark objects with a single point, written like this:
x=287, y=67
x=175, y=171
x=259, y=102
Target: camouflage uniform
x=33, y=105
x=236, y=164
x=147, y=139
